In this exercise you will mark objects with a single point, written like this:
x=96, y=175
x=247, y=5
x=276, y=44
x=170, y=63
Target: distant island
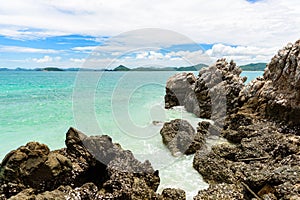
x=254, y=67
x=52, y=69
x=248, y=67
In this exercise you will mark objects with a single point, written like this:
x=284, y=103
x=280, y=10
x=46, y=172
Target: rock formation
x=178, y=87
x=180, y=137
x=89, y=168
x=212, y=95
x=276, y=95
x=264, y=159
x=260, y=120
x=264, y=154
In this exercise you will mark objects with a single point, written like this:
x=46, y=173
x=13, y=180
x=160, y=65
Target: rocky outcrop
x=171, y=194
x=276, y=95
x=265, y=159
x=89, y=168
x=222, y=191
x=261, y=159
x=178, y=87
x=212, y=95
x=180, y=137
x=87, y=191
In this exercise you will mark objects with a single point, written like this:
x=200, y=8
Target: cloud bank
x=246, y=31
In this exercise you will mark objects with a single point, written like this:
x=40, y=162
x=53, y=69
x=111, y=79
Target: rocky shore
x=260, y=120
x=261, y=159
x=88, y=168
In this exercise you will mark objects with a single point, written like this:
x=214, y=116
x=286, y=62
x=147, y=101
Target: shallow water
x=41, y=106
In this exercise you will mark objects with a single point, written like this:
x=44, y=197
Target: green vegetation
x=191, y=68
x=153, y=69
x=52, y=69
x=121, y=68
x=248, y=67
x=254, y=67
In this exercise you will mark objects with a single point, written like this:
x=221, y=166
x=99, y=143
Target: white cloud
x=84, y=48
x=142, y=55
x=77, y=60
x=257, y=29
x=45, y=59
x=268, y=23
x=242, y=54
x=18, y=49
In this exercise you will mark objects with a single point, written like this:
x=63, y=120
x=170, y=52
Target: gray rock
x=180, y=137
x=276, y=95
x=177, y=88
x=222, y=191
x=171, y=194
x=212, y=95
x=89, y=168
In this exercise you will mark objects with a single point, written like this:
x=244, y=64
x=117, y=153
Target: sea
x=128, y=106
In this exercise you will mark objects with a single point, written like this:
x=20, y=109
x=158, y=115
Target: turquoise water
x=41, y=106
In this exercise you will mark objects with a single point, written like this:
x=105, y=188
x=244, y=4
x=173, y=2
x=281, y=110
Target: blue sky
x=142, y=33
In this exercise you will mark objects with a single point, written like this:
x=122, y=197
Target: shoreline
x=260, y=162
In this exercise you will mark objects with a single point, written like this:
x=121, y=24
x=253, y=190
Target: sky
x=107, y=33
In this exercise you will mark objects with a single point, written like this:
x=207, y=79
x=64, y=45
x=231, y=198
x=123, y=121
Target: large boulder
x=33, y=165
x=180, y=137
x=212, y=95
x=89, y=168
x=177, y=88
x=172, y=193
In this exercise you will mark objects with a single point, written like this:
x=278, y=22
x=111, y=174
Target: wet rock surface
x=89, y=168
x=171, y=193
x=222, y=191
x=181, y=138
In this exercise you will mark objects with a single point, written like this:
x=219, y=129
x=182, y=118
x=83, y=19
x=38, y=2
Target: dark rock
x=178, y=86
x=89, y=168
x=213, y=168
x=180, y=137
x=267, y=157
x=276, y=95
x=157, y=123
x=87, y=192
x=171, y=194
x=222, y=191
x=33, y=165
